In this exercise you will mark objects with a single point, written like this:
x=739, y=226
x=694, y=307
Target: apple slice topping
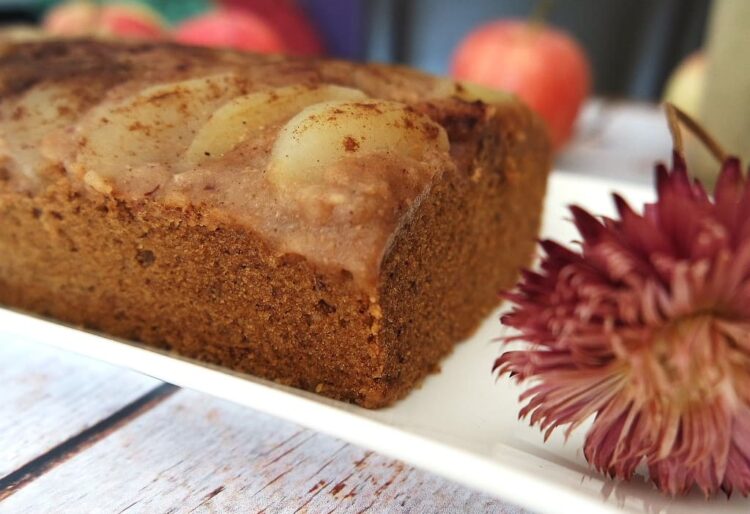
x=327, y=132
x=471, y=92
x=126, y=138
x=28, y=120
x=231, y=124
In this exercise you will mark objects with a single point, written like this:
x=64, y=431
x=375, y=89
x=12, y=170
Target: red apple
x=127, y=20
x=131, y=21
x=231, y=29
x=289, y=21
x=545, y=67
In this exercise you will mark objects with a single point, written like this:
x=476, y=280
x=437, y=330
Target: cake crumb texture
x=189, y=278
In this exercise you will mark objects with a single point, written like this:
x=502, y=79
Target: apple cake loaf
x=332, y=226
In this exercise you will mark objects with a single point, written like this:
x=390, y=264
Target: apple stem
x=541, y=12
x=677, y=118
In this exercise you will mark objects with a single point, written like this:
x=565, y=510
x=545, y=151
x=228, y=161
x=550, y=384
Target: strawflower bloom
x=646, y=328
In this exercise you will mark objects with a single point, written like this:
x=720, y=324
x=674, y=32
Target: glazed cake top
x=322, y=158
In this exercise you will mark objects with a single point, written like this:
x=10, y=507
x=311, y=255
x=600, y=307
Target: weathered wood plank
x=195, y=454
x=48, y=396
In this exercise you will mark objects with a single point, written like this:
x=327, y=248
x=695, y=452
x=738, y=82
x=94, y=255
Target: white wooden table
x=77, y=435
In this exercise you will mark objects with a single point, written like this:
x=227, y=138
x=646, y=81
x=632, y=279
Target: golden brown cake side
x=156, y=275
x=467, y=243
x=213, y=288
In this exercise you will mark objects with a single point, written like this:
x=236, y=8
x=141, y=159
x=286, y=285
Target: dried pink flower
x=647, y=328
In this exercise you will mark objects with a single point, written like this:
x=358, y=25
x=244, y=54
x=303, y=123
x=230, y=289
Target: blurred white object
x=618, y=139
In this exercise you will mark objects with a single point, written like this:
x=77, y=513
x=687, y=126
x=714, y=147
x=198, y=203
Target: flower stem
x=677, y=118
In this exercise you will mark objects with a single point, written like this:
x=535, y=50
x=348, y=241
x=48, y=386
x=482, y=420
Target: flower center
x=687, y=362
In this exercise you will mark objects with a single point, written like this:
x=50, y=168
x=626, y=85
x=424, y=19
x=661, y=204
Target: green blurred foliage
x=173, y=11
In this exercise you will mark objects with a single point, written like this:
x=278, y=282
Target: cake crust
x=215, y=289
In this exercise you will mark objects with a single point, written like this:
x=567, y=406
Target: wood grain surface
x=81, y=436
x=48, y=396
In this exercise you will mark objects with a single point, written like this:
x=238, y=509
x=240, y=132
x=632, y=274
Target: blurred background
x=632, y=44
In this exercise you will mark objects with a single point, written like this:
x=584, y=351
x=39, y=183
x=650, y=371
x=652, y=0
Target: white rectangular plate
x=462, y=423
